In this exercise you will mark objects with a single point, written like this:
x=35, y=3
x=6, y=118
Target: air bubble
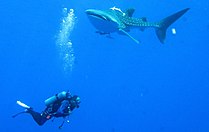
x=64, y=43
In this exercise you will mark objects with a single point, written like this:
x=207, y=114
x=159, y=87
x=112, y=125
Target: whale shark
x=116, y=20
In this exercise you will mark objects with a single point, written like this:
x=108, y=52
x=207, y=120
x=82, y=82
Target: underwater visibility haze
x=51, y=46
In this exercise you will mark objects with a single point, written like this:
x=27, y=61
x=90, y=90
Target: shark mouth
x=92, y=13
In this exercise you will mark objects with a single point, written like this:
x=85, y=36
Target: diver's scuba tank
x=60, y=96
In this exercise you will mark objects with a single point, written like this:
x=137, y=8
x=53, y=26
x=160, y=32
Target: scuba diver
x=59, y=105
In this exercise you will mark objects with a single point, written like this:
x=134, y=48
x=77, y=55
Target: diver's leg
x=40, y=120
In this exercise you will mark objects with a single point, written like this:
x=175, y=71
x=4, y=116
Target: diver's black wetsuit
x=59, y=109
x=59, y=105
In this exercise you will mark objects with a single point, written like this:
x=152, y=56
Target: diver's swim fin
x=27, y=108
x=19, y=114
x=23, y=105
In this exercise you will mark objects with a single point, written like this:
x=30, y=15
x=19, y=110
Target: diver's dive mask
x=76, y=100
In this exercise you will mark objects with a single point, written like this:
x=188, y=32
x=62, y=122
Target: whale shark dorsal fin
x=144, y=19
x=129, y=12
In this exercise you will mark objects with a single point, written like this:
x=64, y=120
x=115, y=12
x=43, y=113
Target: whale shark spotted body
x=115, y=20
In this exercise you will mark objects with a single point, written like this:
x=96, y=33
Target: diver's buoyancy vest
x=60, y=96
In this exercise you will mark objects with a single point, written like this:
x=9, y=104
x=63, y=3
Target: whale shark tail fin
x=166, y=22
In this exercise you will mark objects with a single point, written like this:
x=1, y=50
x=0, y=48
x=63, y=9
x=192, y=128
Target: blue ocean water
x=124, y=86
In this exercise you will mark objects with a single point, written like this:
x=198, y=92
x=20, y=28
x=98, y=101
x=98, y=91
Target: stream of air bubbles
x=64, y=43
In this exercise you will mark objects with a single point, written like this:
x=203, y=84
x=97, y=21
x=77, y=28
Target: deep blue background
x=124, y=86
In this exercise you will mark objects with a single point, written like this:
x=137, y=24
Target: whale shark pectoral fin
x=129, y=35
